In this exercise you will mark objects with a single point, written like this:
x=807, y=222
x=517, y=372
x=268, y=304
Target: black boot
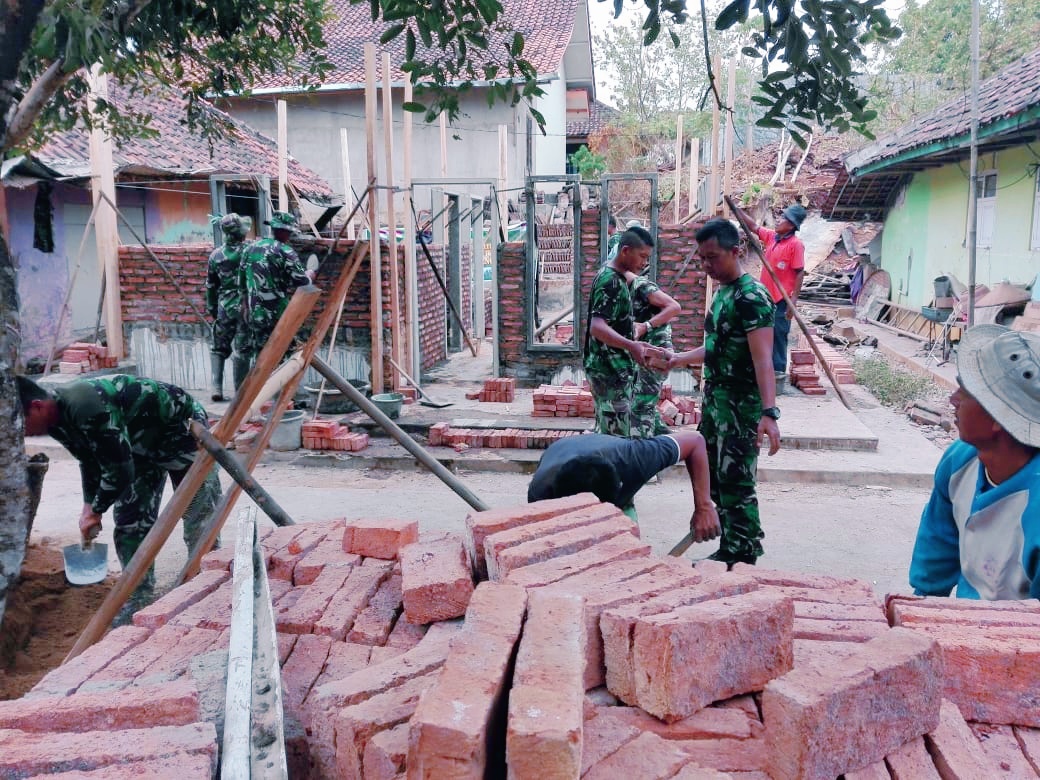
x=217, y=365
x=240, y=367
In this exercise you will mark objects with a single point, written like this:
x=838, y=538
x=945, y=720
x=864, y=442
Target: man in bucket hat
x=271, y=271
x=785, y=254
x=980, y=530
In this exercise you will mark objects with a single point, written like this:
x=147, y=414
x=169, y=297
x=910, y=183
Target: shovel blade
x=86, y=564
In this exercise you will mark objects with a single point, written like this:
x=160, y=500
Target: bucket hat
x=1000, y=368
x=283, y=220
x=795, y=214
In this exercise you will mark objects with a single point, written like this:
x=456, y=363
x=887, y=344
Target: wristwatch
x=772, y=411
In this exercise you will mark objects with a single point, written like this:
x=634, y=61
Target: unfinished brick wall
x=148, y=295
x=433, y=327
x=675, y=243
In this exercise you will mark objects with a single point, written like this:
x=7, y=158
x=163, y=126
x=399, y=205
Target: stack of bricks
x=841, y=369
x=803, y=372
x=443, y=435
x=330, y=435
x=573, y=660
x=567, y=400
x=501, y=390
x=680, y=410
x=81, y=357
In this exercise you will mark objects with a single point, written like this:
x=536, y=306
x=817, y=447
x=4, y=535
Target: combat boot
x=217, y=366
x=240, y=367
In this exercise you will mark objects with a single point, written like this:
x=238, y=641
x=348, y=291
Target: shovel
x=424, y=399
x=86, y=563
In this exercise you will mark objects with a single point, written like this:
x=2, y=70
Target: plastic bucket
x=389, y=404
x=335, y=402
x=289, y=433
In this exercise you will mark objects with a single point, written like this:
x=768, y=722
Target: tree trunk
x=14, y=485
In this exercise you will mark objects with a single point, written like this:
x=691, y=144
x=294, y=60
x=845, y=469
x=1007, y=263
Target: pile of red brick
x=678, y=410
x=502, y=390
x=566, y=400
x=443, y=435
x=583, y=655
x=330, y=435
x=804, y=375
x=81, y=357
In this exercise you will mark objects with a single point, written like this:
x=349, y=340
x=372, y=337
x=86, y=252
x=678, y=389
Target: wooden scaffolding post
x=292, y=318
x=695, y=170
x=712, y=206
x=731, y=100
x=410, y=269
x=375, y=256
x=391, y=221
x=348, y=191
x=678, y=167
x=283, y=155
x=503, y=177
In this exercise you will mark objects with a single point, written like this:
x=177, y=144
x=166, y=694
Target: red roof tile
x=176, y=150
x=546, y=25
x=600, y=115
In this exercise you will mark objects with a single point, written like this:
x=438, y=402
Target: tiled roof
x=1012, y=91
x=600, y=115
x=546, y=25
x=178, y=151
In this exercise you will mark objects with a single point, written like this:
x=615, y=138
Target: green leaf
x=412, y=106
x=734, y=13
x=391, y=32
x=517, y=47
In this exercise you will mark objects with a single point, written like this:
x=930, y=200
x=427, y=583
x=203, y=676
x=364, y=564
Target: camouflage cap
x=235, y=225
x=283, y=220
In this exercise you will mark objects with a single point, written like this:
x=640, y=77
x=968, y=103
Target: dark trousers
x=781, y=330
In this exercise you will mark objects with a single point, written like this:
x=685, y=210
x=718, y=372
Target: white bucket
x=288, y=435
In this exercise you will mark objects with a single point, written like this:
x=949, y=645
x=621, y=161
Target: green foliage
x=891, y=386
x=588, y=164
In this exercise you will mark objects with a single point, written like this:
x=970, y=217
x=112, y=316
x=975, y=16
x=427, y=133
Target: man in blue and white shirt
x=980, y=530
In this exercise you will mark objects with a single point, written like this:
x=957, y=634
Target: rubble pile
x=548, y=641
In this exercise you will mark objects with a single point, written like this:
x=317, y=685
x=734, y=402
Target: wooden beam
x=731, y=100
x=238, y=700
x=711, y=207
x=695, y=170
x=411, y=275
x=678, y=167
x=376, y=256
x=503, y=178
x=391, y=220
x=348, y=190
x=283, y=155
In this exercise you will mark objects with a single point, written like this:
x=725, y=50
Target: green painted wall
x=928, y=222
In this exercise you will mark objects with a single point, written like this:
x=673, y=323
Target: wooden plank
x=711, y=207
x=391, y=221
x=283, y=155
x=375, y=262
x=678, y=165
x=411, y=274
x=348, y=192
x=238, y=701
x=731, y=99
x=695, y=164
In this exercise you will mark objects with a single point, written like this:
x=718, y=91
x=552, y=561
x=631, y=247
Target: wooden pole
x=292, y=318
x=348, y=190
x=678, y=167
x=757, y=247
x=336, y=298
x=731, y=99
x=106, y=227
x=391, y=220
x=503, y=178
x=238, y=700
x=712, y=206
x=400, y=436
x=411, y=271
x=749, y=132
x=695, y=170
x=376, y=256
x=283, y=155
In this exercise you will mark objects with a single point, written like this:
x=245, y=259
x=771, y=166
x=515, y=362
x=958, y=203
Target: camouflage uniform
x=270, y=272
x=128, y=434
x=647, y=392
x=732, y=410
x=611, y=372
x=223, y=296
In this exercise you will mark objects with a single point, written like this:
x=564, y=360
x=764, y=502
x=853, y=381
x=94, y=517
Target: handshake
x=657, y=358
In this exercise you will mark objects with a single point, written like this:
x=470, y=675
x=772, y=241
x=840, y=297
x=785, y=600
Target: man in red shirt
x=785, y=253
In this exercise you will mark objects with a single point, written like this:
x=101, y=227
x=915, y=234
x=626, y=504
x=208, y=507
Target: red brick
x=748, y=757
x=453, y=724
x=219, y=559
x=172, y=704
x=715, y=722
x=128, y=666
x=176, y=660
x=992, y=679
x=480, y=525
x=709, y=569
x=617, y=625
x=875, y=771
x=647, y=757
x=891, y=689
x=544, y=734
x=282, y=562
x=602, y=738
x=907, y=762
x=274, y=539
x=311, y=605
x=346, y=604
x=955, y=750
x=69, y=676
x=286, y=643
x=372, y=626
x=696, y=772
x=436, y=580
x=386, y=754
x=356, y=725
x=175, y=765
x=821, y=610
x=798, y=580
x=496, y=543
x=619, y=548
x=1029, y=739
x=556, y=545
x=405, y=635
x=329, y=553
x=893, y=601
x=345, y=658
x=911, y=616
x=302, y=669
x=821, y=595
x=839, y=630
x=381, y=538
x=740, y=644
x=211, y=611
x=27, y=753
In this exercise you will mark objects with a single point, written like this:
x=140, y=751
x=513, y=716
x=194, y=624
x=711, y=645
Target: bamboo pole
x=411, y=275
x=283, y=155
x=755, y=245
x=376, y=259
x=731, y=99
x=695, y=172
x=348, y=191
x=292, y=318
x=678, y=167
x=391, y=221
x=711, y=207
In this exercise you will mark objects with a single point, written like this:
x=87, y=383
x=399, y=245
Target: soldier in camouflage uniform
x=223, y=297
x=739, y=389
x=612, y=355
x=127, y=434
x=271, y=271
x=652, y=310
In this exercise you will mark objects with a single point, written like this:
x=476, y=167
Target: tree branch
x=36, y=97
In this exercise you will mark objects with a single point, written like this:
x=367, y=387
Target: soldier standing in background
x=127, y=433
x=223, y=296
x=271, y=270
